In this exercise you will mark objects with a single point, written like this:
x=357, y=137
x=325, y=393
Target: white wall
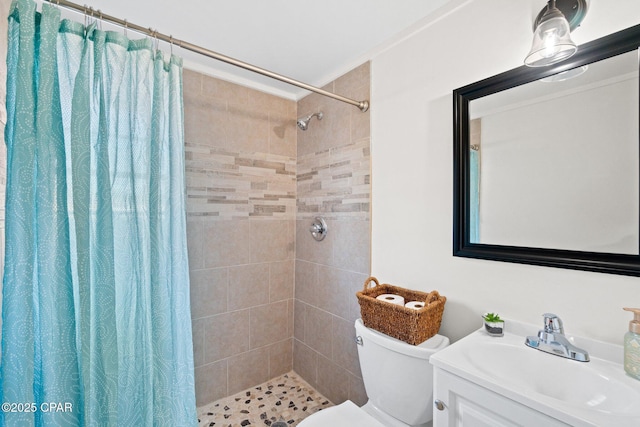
x=412, y=158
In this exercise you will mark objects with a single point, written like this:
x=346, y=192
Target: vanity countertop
x=595, y=393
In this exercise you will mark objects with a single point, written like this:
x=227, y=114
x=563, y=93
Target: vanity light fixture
x=552, y=32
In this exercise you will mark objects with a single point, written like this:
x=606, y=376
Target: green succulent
x=492, y=317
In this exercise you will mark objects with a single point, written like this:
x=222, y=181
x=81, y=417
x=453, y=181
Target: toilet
x=397, y=378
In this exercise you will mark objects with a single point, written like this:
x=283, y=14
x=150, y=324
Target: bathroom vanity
x=499, y=381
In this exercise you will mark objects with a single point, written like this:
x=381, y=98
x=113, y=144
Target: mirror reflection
x=555, y=163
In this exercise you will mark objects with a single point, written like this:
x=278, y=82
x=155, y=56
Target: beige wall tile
x=197, y=332
x=260, y=258
x=291, y=311
x=211, y=382
x=335, y=126
x=280, y=358
x=333, y=130
x=345, y=349
x=353, y=286
x=282, y=134
x=213, y=87
x=272, y=241
x=195, y=243
x=333, y=171
x=281, y=280
x=269, y=324
x=357, y=392
x=333, y=295
x=240, y=170
x=299, y=315
x=360, y=125
x=318, y=331
x=333, y=381
x=208, y=292
x=191, y=84
x=248, y=369
x=282, y=127
x=226, y=335
x=247, y=128
x=205, y=120
x=226, y=243
x=305, y=362
x=309, y=249
x=351, y=83
x=352, y=246
x=273, y=104
x=248, y=286
x=306, y=282
x=357, y=85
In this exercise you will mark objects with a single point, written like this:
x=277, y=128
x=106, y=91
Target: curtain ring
x=90, y=17
x=86, y=19
x=99, y=19
x=125, y=28
x=171, y=44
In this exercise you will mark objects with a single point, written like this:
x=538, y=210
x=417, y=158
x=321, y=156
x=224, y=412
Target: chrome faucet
x=552, y=340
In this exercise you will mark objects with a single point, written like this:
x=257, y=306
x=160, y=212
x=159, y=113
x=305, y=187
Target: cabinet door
x=469, y=405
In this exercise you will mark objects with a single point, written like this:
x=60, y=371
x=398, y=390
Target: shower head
x=303, y=123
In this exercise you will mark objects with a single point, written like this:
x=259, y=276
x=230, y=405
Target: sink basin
x=595, y=393
x=593, y=385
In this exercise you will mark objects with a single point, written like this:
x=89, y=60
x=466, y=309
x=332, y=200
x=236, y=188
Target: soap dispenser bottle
x=632, y=345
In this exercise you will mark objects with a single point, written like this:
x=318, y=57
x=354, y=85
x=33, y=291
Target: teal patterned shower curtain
x=96, y=320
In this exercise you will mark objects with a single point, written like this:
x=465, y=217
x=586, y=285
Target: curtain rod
x=89, y=11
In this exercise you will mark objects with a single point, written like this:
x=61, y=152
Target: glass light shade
x=566, y=75
x=551, y=41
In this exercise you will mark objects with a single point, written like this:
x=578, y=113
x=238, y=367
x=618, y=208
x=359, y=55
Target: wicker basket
x=406, y=324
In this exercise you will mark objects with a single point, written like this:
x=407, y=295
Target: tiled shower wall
x=333, y=182
x=253, y=187
x=240, y=152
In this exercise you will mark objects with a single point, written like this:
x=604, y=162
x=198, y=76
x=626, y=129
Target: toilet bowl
x=347, y=414
x=398, y=380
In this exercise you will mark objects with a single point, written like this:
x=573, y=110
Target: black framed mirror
x=546, y=162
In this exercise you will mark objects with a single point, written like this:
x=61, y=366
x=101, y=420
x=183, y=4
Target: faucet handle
x=553, y=324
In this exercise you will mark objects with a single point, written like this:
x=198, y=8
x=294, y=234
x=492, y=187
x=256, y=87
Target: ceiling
x=310, y=41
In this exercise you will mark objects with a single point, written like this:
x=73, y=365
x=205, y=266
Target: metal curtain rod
x=362, y=105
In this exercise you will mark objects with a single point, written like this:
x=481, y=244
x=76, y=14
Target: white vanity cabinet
x=465, y=404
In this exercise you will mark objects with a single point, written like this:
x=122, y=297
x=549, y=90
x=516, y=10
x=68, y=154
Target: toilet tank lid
x=423, y=350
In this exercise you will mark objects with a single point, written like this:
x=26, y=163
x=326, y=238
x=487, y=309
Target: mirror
x=547, y=162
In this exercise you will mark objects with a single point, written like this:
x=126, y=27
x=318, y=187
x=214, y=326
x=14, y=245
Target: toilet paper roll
x=416, y=305
x=391, y=298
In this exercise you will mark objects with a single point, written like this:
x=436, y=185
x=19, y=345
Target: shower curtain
x=96, y=319
x=474, y=196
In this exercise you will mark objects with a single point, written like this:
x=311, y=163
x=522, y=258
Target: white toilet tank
x=397, y=376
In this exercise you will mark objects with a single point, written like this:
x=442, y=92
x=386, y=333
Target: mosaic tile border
x=233, y=185
x=335, y=182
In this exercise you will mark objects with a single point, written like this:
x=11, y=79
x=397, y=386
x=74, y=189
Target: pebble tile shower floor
x=282, y=401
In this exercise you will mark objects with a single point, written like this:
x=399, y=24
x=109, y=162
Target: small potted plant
x=493, y=324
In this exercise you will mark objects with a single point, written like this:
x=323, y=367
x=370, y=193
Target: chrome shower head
x=303, y=123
